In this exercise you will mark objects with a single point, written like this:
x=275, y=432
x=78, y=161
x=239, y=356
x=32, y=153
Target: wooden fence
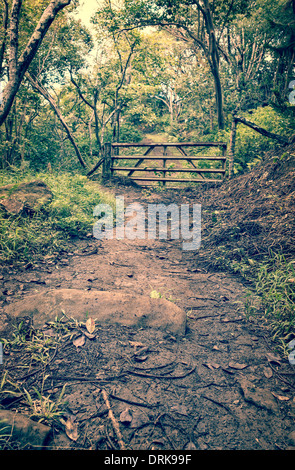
x=151, y=154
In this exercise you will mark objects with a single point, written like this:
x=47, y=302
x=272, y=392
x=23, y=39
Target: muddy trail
x=220, y=386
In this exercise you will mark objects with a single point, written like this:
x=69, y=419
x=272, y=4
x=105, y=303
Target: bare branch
x=80, y=92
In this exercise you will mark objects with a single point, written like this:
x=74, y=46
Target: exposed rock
x=23, y=430
x=29, y=197
x=105, y=307
x=260, y=397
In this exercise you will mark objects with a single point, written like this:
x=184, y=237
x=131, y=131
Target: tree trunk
x=19, y=66
x=214, y=62
x=5, y=34
x=218, y=95
x=232, y=144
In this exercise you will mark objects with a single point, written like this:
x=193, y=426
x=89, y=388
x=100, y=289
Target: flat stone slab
x=104, y=306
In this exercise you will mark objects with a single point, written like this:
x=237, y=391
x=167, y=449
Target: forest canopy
x=181, y=69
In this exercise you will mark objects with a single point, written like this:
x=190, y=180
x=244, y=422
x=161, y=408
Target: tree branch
x=260, y=130
x=80, y=92
x=37, y=86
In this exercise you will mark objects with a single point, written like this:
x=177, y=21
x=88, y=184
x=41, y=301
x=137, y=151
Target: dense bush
x=70, y=214
x=250, y=146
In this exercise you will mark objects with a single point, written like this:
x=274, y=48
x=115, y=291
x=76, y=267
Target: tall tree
x=18, y=64
x=189, y=20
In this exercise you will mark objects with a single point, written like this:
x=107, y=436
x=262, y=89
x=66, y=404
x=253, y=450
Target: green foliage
x=48, y=230
x=167, y=85
x=251, y=146
x=33, y=348
x=130, y=133
x=43, y=409
x=275, y=286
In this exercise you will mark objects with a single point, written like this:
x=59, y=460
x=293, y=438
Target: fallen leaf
x=90, y=325
x=80, y=341
x=135, y=344
x=267, y=372
x=138, y=358
x=225, y=320
x=236, y=365
x=90, y=336
x=126, y=416
x=280, y=397
x=272, y=358
x=141, y=351
x=71, y=429
x=211, y=365
x=138, y=419
x=181, y=409
x=190, y=446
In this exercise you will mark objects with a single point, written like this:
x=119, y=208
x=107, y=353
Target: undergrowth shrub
x=69, y=214
x=275, y=284
x=251, y=146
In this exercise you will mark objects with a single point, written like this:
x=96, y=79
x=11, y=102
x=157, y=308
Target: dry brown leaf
x=190, y=446
x=126, y=416
x=90, y=336
x=272, y=358
x=90, y=325
x=140, y=358
x=135, y=344
x=280, y=397
x=267, y=372
x=236, y=365
x=211, y=365
x=79, y=341
x=71, y=429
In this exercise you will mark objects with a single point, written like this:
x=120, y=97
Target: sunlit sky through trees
x=86, y=10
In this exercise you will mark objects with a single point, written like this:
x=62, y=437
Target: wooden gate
x=184, y=155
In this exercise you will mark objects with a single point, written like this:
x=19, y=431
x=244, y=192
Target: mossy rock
x=24, y=197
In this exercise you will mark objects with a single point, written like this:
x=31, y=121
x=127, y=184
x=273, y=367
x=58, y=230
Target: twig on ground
x=113, y=420
x=131, y=402
x=171, y=377
x=221, y=405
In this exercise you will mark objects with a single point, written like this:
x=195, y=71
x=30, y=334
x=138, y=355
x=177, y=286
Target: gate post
x=232, y=144
x=107, y=162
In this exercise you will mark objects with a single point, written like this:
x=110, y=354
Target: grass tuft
x=47, y=231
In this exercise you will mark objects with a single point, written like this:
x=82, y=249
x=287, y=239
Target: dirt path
x=219, y=387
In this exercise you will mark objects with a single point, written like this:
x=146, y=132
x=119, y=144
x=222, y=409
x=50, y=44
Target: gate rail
x=112, y=154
